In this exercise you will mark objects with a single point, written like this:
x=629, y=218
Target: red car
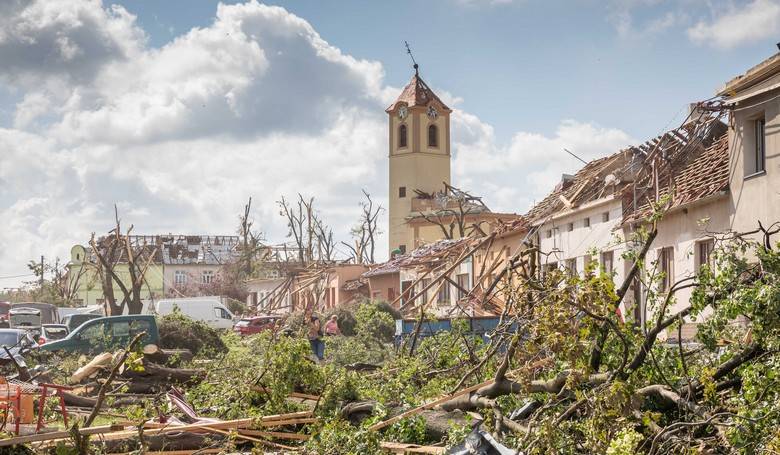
x=256, y=324
x=5, y=307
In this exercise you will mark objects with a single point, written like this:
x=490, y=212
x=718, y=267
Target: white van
x=207, y=309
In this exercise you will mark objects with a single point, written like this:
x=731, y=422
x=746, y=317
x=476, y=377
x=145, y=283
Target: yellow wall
x=416, y=166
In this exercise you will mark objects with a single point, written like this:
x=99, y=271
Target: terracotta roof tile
x=416, y=93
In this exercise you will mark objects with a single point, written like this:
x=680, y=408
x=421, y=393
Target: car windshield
x=8, y=338
x=55, y=333
x=243, y=322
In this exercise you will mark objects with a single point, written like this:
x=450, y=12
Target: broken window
x=433, y=136
x=444, y=293
x=463, y=284
x=402, y=136
x=402, y=191
x=666, y=260
x=704, y=250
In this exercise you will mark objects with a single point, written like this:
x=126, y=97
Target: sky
x=177, y=111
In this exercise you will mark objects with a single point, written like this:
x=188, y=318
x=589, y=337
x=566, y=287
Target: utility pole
x=41, y=280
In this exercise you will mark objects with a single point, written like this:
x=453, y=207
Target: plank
x=276, y=434
x=57, y=435
x=400, y=448
x=279, y=423
x=438, y=401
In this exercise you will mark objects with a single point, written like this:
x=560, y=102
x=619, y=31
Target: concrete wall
x=379, y=286
x=601, y=236
x=682, y=229
x=755, y=197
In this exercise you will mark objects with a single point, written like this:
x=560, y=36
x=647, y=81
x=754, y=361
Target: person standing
x=315, y=337
x=332, y=326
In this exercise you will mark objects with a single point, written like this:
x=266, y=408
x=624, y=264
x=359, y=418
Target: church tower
x=419, y=140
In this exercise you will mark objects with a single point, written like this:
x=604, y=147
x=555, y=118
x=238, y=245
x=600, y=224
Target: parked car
x=17, y=341
x=75, y=320
x=25, y=318
x=207, y=309
x=4, y=308
x=256, y=324
x=104, y=334
x=49, y=313
x=52, y=332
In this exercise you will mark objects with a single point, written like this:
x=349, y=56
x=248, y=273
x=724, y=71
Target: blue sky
x=522, y=64
x=177, y=111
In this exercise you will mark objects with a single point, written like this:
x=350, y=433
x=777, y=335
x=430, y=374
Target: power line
x=16, y=276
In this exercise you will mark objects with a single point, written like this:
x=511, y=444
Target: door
x=222, y=318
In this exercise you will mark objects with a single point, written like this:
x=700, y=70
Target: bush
x=181, y=332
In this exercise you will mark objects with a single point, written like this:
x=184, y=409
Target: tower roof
x=416, y=93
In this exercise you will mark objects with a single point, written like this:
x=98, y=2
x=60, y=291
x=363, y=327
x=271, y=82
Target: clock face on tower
x=432, y=113
x=403, y=112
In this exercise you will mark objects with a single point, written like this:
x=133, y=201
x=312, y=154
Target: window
x=402, y=191
x=704, y=253
x=666, y=259
x=463, y=284
x=402, y=136
x=571, y=267
x=221, y=313
x=402, y=249
x=120, y=329
x=424, y=284
x=548, y=234
x=605, y=217
x=586, y=222
x=444, y=293
x=390, y=294
x=759, y=147
x=179, y=277
x=608, y=261
x=206, y=276
x=406, y=291
x=570, y=227
x=549, y=267
x=433, y=136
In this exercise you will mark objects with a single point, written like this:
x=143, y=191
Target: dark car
x=52, y=332
x=49, y=312
x=17, y=341
x=75, y=320
x=255, y=324
x=102, y=334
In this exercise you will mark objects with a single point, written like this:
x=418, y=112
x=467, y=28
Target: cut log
x=95, y=365
x=166, y=375
x=155, y=354
x=171, y=441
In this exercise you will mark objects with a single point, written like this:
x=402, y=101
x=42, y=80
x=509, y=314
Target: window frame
x=709, y=246
x=433, y=133
x=403, y=136
x=759, y=145
x=666, y=262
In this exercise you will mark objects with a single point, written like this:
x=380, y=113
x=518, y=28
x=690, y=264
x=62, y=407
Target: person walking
x=332, y=326
x=315, y=337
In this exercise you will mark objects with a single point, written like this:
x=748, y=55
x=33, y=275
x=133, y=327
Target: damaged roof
x=416, y=93
x=422, y=255
x=185, y=249
x=700, y=174
x=589, y=184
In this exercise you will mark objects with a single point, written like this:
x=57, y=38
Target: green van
x=108, y=333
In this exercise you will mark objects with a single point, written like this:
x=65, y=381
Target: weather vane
x=415, y=65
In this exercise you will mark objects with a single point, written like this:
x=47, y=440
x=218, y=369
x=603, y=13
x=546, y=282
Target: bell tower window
x=433, y=136
x=402, y=136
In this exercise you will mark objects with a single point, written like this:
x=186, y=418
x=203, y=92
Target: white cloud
x=531, y=164
x=755, y=21
x=254, y=104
